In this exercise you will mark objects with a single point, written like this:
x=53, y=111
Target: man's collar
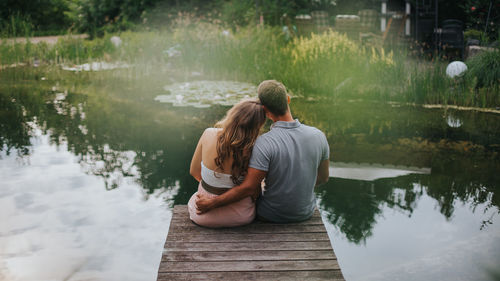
x=285, y=124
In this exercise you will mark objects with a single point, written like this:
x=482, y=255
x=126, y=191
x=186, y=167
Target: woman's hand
x=203, y=203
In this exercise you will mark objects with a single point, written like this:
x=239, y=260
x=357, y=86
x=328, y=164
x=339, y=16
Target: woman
x=220, y=162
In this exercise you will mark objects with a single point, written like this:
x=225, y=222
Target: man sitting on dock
x=292, y=157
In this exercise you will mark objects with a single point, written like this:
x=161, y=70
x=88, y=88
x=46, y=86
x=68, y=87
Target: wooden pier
x=259, y=251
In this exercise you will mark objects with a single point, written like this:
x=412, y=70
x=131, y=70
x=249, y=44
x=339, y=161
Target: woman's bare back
x=209, y=151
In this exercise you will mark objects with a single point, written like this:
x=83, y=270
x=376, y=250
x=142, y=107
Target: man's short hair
x=272, y=94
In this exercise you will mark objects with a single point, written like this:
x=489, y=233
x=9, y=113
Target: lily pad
x=96, y=66
x=202, y=94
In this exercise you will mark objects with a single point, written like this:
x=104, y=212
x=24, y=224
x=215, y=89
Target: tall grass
x=485, y=67
x=484, y=76
x=67, y=50
x=327, y=65
x=16, y=26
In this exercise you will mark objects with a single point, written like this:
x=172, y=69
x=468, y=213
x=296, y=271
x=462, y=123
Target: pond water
x=92, y=163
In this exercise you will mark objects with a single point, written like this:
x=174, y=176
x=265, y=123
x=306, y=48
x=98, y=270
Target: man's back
x=290, y=153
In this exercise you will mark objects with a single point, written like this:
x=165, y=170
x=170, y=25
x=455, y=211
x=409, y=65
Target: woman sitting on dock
x=220, y=162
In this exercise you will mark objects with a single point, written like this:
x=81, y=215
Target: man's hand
x=323, y=172
x=203, y=203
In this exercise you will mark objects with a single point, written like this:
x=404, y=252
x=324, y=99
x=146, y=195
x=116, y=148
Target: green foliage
x=485, y=69
x=476, y=34
x=473, y=34
x=16, y=25
x=428, y=84
x=96, y=17
x=323, y=65
x=238, y=13
x=273, y=10
x=477, y=13
x=44, y=16
x=66, y=50
x=352, y=7
x=326, y=63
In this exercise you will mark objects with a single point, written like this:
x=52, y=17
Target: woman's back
x=209, y=151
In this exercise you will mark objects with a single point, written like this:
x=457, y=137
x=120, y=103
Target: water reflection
x=423, y=246
x=60, y=224
x=14, y=125
x=117, y=139
x=353, y=205
x=124, y=139
x=453, y=122
x=371, y=172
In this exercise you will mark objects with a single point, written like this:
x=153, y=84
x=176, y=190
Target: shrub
x=485, y=67
x=324, y=63
x=96, y=17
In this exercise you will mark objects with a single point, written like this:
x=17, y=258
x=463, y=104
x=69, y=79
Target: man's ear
x=288, y=99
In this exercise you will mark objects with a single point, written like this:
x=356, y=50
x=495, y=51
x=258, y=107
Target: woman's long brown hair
x=240, y=129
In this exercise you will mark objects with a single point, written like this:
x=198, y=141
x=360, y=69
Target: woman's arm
x=195, y=169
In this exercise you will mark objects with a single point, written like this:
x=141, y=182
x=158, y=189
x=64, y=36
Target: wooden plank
x=213, y=266
x=256, y=237
x=259, y=251
x=247, y=246
x=334, y=275
x=247, y=255
x=250, y=229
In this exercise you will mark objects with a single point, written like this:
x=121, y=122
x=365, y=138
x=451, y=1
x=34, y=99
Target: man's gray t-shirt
x=290, y=154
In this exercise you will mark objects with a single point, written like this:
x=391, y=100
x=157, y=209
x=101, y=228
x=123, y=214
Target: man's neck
x=286, y=118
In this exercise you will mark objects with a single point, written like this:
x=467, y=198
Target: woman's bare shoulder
x=210, y=133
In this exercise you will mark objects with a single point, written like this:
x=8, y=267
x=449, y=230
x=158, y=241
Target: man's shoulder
x=264, y=138
x=311, y=129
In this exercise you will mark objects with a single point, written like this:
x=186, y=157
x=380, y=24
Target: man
x=292, y=157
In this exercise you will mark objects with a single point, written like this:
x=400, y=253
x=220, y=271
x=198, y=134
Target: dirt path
x=47, y=39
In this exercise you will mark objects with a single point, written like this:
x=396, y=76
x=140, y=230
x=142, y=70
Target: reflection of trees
x=14, y=127
x=117, y=135
x=350, y=207
x=353, y=206
x=114, y=138
x=162, y=140
x=467, y=180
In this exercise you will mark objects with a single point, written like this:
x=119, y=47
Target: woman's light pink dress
x=235, y=214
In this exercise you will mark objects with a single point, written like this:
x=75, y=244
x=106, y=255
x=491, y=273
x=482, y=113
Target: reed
x=326, y=65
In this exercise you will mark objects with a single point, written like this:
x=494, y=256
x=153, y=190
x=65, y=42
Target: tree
x=477, y=14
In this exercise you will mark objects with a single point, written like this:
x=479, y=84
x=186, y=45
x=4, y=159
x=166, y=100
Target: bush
x=97, y=17
x=327, y=65
x=46, y=17
x=16, y=25
x=324, y=63
x=238, y=13
x=485, y=69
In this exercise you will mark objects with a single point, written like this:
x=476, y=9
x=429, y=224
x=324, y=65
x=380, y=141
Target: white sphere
x=117, y=41
x=456, y=68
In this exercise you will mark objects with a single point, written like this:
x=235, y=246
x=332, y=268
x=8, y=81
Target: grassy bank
x=326, y=65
